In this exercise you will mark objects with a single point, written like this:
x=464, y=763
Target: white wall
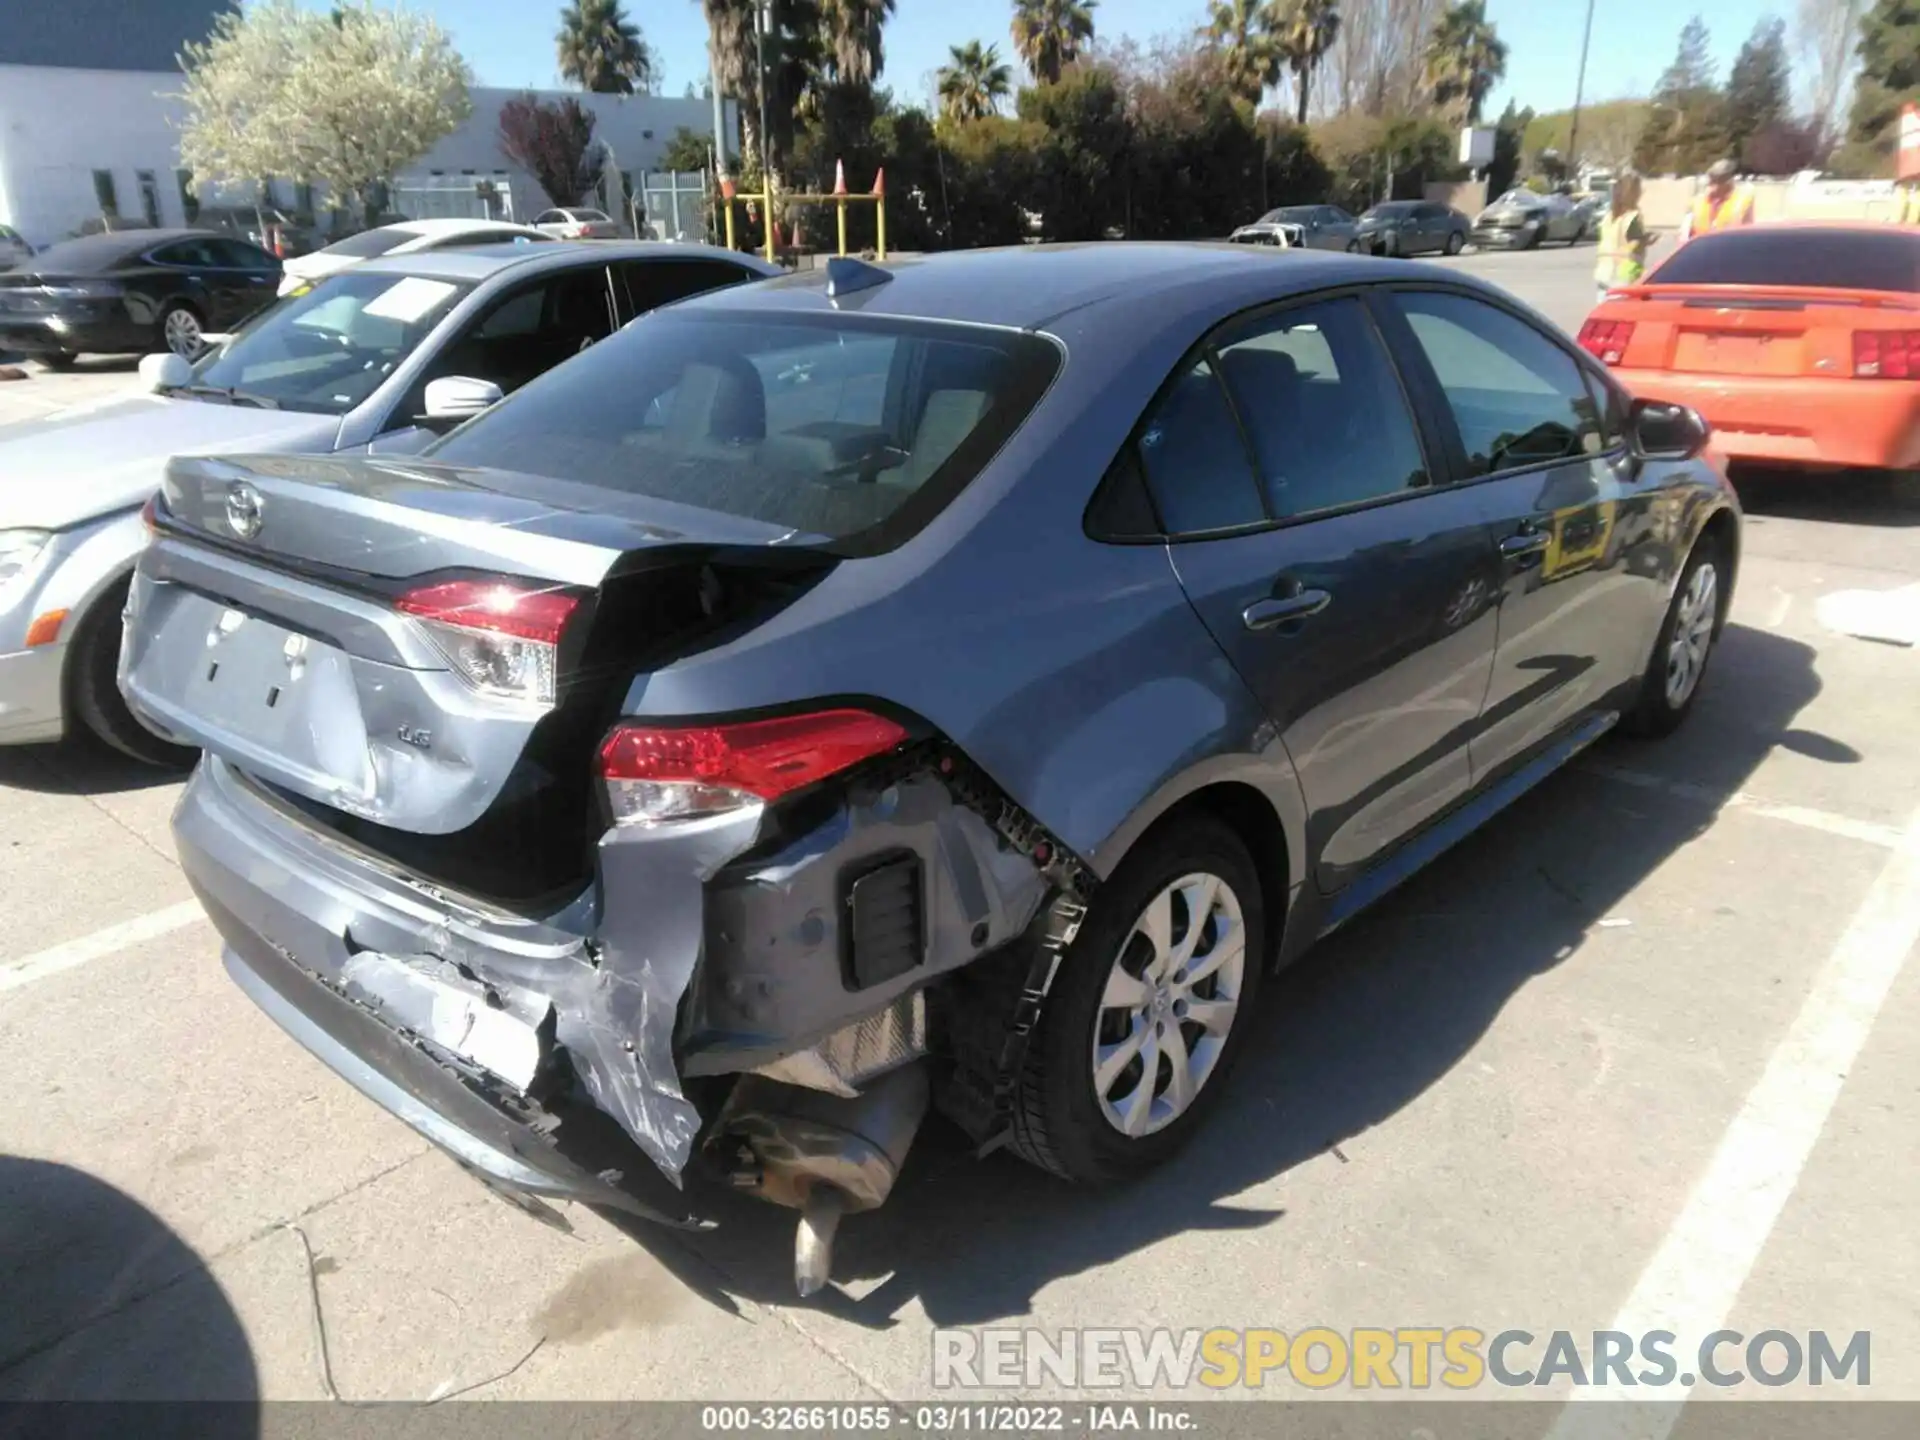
x=57, y=126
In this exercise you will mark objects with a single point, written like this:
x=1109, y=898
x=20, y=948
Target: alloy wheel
x=1693, y=622
x=1170, y=1002
x=182, y=332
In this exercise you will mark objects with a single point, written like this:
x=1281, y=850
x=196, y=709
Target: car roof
x=112, y=245
x=1028, y=286
x=474, y=263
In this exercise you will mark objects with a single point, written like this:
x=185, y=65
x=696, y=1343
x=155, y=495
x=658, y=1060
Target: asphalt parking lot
x=1644, y=1054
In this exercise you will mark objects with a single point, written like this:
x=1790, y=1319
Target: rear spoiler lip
x=1734, y=295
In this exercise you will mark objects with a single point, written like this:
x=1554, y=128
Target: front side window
x=329, y=348
x=1322, y=407
x=855, y=430
x=1517, y=398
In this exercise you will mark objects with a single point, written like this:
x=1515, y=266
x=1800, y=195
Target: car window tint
x=1885, y=258
x=196, y=253
x=1517, y=398
x=652, y=283
x=849, y=427
x=1195, y=460
x=549, y=217
x=238, y=256
x=523, y=336
x=1322, y=407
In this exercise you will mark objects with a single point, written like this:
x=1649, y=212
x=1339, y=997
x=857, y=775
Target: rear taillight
x=658, y=774
x=1886, y=354
x=1606, y=340
x=150, y=513
x=501, y=638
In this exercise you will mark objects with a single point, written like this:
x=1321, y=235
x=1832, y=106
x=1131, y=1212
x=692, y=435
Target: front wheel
x=1455, y=244
x=94, y=687
x=1684, y=646
x=1150, y=1009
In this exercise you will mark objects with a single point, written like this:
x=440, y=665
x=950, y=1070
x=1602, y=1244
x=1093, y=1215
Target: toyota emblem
x=243, y=510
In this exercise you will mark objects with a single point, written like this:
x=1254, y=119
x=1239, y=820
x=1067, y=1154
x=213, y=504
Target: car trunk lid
x=1751, y=330
x=309, y=619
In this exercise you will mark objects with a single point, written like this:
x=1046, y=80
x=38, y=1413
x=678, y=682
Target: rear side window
x=1826, y=259
x=854, y=429
x=1322, y=409
x=1194, y=459
x=1517, y=398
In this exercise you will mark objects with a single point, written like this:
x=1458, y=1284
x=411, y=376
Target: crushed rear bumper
x=297, y=913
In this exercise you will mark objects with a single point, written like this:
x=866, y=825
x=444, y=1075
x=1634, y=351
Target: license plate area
x=1717, y=352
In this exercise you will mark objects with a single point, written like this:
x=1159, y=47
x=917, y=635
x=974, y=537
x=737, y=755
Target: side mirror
x=454, y=398
x=1668, y=432
x=165, y=371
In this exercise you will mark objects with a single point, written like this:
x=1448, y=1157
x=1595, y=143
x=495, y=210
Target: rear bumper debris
x=703, y=950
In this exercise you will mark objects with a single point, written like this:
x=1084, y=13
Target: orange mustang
x=1799, y=343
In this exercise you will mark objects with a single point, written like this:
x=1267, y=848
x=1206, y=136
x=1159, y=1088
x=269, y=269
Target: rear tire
x=1684, y=645
x=1145, y=980
x=1454, y=243
x=181, y=331
x=94, y=688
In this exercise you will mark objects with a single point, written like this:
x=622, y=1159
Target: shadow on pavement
x=1358, y=1030
x=79, y=765
x=105, y=1303
x=1842, y=497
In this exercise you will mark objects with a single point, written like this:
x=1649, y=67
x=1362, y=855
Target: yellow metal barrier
x=839, y=198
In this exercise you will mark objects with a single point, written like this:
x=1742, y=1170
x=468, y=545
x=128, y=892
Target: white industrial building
x=77, y=139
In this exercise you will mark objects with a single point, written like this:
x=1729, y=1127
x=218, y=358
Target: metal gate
x=674, y=205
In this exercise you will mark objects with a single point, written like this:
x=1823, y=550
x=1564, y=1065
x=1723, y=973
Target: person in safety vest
x=1720, y=207
x=1623, y=238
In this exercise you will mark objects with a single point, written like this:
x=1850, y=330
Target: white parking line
x=1868, y=831
x=1691, y=1284
x=74, y=953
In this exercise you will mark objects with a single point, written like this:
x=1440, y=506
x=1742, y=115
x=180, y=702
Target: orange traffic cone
x=839, y=177
x=880, y=182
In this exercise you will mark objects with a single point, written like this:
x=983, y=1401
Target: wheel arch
x=1722, y=530
x=1249, y=811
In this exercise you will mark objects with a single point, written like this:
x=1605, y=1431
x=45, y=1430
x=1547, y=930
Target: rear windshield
x=1826, y=259
x=369, y=243
x=853, y=429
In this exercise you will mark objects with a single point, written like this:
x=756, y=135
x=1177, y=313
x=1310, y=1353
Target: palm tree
x=973, y=82
x=1244, y=32
x=790, y=61
x=600, y=49
x=1306, y=31
x=1465, y=59
x=1048, y=34
x=851, y=39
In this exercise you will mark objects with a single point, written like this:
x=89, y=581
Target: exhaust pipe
x=823, y=1155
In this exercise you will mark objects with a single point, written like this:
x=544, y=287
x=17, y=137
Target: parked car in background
x=271, y=229
x=13, y=247
x=132, y=291
x=572, y=222
x=1412, y=227
x=380, y=359
x=1799, y=342
x=678, y=778
x=1316, y=227
x=1522, y=219
x=407, y=237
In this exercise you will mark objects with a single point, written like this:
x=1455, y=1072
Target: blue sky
x=510, y=42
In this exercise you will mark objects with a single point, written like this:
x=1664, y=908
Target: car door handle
x=1277, y=610
x=1525, y=544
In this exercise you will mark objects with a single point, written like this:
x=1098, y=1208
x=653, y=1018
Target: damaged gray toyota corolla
x=952, y=685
